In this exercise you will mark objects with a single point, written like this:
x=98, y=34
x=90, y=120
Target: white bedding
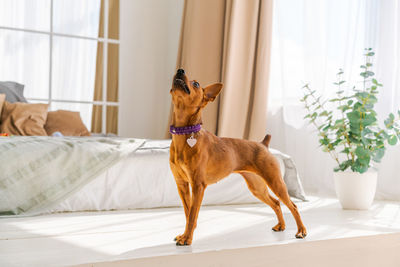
x=144, y=180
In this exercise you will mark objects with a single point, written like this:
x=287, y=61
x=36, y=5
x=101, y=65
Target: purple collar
x=185, y=130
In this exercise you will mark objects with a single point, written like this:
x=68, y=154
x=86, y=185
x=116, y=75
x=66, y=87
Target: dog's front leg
x=184, y=193
x=183, y=187
x=197, y=198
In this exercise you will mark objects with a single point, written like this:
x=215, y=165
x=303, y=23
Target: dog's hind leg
x=258, y=188
x=275, y=182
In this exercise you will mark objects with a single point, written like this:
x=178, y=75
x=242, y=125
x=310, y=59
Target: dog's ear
x=211, y=91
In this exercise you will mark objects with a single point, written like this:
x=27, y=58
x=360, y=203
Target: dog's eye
x=196, y=84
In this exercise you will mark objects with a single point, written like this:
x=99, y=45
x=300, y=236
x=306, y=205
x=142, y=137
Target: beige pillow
x=69, y=123
x=2, y=100
x=23, y=119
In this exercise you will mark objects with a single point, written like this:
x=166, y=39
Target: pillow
x=23, y=118
x=69, y=123
x=14, y=91
x=2, y=99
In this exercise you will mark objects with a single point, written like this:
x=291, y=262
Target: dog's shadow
x=234, y=238
x=159, y=250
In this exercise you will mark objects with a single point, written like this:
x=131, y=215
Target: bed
x=138, y=178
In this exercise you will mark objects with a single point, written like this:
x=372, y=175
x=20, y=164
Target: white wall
x=149, y=36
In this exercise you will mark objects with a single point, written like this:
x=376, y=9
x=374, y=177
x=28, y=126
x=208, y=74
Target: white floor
x=94, y=237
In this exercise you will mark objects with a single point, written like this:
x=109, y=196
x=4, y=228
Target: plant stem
x=344, y=125
x=331, y=151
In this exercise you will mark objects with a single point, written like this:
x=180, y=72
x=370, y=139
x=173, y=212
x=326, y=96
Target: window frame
x=105, y=40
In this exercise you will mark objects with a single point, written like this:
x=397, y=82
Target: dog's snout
x=181, y=71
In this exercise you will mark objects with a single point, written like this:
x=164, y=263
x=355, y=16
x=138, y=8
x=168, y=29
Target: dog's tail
x=266, y=140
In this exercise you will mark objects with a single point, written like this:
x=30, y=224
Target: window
x=59, y=49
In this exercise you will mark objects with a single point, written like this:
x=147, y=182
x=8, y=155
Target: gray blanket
x=36, y=172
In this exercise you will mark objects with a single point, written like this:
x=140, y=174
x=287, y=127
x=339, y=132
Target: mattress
x=144, y=180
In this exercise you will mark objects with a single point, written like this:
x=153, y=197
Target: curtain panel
x=229, y=41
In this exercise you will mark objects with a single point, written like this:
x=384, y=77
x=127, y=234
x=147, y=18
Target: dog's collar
x=185, y=130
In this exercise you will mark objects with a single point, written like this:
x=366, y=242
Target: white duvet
x=144, y=180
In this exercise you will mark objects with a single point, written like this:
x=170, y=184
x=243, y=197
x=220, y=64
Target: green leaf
x=392, y=140
x=370, y=73
x=343, y=166
x=368, y=120
x=361, y=95
x=374, y=81
x=359, y=166
x=346, y=150
x=326, y=127
x=354, y=117
x=305, y=97
x=372, y=99
x=388, y=123
x=323, y=113
x=361, y=152
x=314, y=115
x=343, y=107
x=379, y=153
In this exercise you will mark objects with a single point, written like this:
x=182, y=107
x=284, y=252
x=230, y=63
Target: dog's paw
x=279, y=227
x=177, y=237
x=182, y=240
x=301, y=233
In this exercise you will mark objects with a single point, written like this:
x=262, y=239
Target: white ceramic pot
x=355, y=191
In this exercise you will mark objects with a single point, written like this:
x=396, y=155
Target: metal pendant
x=191, y=141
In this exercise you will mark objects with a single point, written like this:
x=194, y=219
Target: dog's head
x=188, y=94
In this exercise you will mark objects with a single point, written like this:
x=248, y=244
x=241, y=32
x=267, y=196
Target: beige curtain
x=112, y=71
x=230, y=41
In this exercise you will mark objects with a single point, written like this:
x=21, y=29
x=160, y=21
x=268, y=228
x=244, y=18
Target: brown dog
x=200, y=158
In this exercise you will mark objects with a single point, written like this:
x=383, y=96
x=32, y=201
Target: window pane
x=26, y=14
x=84, y=109
x=76, y=17
x=24, y=59
x=74, y=67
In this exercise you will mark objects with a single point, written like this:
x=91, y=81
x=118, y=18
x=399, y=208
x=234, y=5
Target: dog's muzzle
x=181, y=84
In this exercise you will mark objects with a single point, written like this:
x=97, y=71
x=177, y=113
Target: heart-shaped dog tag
x=191, y=141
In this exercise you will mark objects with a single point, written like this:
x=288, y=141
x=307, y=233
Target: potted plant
x=349, y=131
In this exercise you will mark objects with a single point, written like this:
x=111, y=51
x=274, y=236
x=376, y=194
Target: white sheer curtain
x=312, y=39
